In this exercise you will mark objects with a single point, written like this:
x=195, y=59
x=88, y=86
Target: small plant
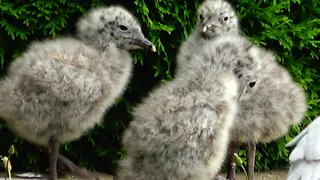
x=239, y=162
x=6, y=161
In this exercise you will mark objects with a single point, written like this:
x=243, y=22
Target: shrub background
x=288, y=27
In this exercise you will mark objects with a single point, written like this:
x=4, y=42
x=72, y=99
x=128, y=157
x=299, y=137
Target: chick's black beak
x=145, y=43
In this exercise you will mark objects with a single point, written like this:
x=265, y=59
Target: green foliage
x=288, y=27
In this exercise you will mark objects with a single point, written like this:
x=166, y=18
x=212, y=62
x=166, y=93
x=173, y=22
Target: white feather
x=305, y=157
x=314, y=123
x=298, y=152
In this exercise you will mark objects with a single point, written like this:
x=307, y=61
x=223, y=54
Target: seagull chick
x=59, y=89
x=181, y=130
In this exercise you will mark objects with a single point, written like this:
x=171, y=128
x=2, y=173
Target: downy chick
x=59, y=89
x=181, y=130
x=214, y=18
x=276, y=104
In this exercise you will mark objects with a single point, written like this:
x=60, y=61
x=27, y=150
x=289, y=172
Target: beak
x=241, y=92
x=204, y=29
x=207, y=27
x=144, y=43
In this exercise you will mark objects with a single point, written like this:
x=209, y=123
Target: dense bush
x=289, y=27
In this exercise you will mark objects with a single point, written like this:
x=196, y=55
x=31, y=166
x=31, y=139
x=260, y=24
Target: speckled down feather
x=179, y=134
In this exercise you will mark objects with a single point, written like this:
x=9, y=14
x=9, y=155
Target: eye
x=226, y=18
x=123, y=27
x=201, y=17
x=252, y=84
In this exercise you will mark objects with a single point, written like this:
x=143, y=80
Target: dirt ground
x=269, y=175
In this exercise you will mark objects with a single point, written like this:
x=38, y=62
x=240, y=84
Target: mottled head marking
x=216, y=17
x=248, y=70
x=104, y=25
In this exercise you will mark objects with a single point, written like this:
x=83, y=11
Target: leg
x=53, y=153
x=67, y=165
x=218, y=177
x=251, y=153
x=231, y=162
x=61, y=168
x=74, y=169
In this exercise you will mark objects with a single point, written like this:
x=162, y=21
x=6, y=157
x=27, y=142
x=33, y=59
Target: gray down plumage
x=177, y=134
x=266, y=109
x=305, y=157
x=61, y=88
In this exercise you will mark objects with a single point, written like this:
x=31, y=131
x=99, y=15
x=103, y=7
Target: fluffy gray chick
x=214, y=18
x=58, y=89
x=305, y=157
x=181, y=131
x=276, y=104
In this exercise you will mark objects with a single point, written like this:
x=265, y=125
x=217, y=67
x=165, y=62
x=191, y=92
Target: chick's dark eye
x=252, y=84
x=201, y=17
x=123, y=27
x=226, y=18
